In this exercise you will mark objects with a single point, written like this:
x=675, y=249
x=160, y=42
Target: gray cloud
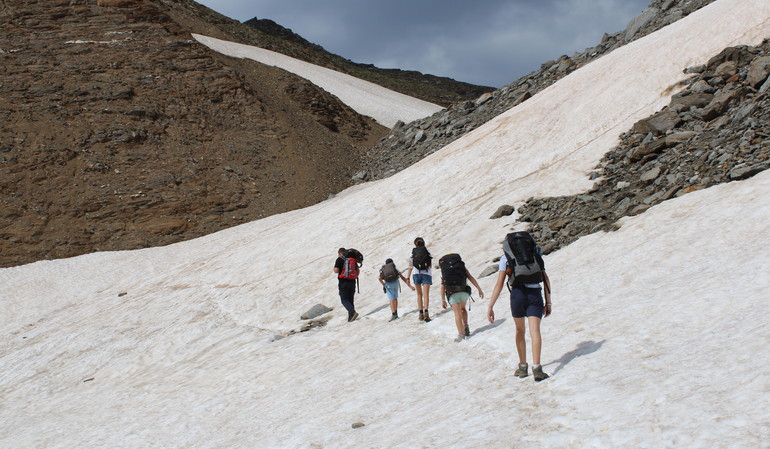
x=490, y=42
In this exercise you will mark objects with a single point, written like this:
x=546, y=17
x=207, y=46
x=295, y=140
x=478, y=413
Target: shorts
x=459, y=298
x=526, y=301
x=391, y=289
x=422, y=279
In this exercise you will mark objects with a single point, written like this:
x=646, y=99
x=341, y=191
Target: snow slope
x=383, y=105
x=657, y=339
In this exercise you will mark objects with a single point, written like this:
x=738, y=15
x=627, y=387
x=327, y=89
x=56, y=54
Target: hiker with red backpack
x=347, y=268
x=423, y=278
x=389, y=279
x=455, y=289
x=523, y=265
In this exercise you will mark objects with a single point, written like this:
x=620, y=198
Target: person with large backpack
x=389, y=278
x=455, y=289
x=524, y=267
x=423, y=278
x=347, y=268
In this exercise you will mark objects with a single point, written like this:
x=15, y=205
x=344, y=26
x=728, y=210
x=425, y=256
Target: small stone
x=357, y=425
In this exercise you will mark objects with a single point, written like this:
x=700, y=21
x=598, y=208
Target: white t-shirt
x=503, y=265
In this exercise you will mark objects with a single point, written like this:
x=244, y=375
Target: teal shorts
x=459, y=297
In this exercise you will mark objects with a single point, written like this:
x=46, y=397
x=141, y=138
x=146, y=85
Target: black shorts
x=526, y=301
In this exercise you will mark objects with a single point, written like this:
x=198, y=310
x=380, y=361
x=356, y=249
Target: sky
x=191, y=344
x=489, y=42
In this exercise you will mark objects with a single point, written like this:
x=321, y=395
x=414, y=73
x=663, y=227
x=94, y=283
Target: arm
x=475, y=284
x=409, y=274
x=382, y=281
x=495, y=294
x=408, y=284
x=443, y=296
x=547, y=291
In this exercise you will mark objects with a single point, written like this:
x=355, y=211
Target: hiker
x=423, y=278
x=389, y=278
x=346, y=267
x=523, y=265
x=455, y=289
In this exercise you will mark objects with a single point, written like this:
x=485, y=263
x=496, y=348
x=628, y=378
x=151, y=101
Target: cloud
x=491, y=42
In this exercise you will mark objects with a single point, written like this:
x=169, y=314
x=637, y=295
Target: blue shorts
x=391, y=289
x=526, y=301
x=422, y=279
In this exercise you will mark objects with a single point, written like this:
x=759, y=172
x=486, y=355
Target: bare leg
x=394, y=306
x=460, y=312
x=521, y=342
x=426, y=294
x=418, y=289
x=537, y=341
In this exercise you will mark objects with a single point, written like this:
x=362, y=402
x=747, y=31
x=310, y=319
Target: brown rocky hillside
x=118, y=131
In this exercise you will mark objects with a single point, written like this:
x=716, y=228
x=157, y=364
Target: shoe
x=427, y=318
x=539, y=374
x=353, y=317
x=460, y=338
x=467, y=331
x=422, y=316
x=522, y=370
x=393, y=317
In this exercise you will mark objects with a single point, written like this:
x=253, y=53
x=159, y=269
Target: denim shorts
x=526, y=301
x=422, y=279
x=392, y=288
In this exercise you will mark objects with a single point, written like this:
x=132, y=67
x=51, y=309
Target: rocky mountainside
x=119, y=131
x=716, y=130
x=409, y=143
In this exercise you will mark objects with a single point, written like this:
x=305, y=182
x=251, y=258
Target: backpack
x=421, y=258
x=523, y=266
x=454, y=278
x=389, y=272
x=353, y=261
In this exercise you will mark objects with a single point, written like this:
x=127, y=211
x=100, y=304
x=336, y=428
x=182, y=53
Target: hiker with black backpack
x=524, y=267
x=389, y=278
x=423, y=278
x=455, y=289
x=347, y=268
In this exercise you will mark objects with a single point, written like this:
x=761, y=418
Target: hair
x=341, y=251
x=389, y=261
x=419, y=241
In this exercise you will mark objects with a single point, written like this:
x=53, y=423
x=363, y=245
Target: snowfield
x=383, y=105
x=658, y=337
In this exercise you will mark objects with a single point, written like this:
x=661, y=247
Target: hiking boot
x=393, y=317
x=353, y=317
x=467, y=331
x=522, y=370
x=459, y=338
x=422, y=316
x=539, y=374
x=427, y=318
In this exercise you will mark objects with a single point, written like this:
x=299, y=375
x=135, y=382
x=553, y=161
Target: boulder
x=315, y=311
x=502, y=211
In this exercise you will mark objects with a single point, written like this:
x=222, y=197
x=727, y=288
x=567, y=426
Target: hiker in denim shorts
x=423, y=279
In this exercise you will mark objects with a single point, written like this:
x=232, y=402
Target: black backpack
x=454, y=278
x=521, y=252
x=421, y=258
x=389, y=272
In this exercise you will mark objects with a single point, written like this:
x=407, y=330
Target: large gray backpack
x=521, y=250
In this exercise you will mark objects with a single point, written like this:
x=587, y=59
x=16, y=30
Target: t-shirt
x=503, y=265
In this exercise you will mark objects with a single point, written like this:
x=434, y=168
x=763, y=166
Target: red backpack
x=353, y=261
